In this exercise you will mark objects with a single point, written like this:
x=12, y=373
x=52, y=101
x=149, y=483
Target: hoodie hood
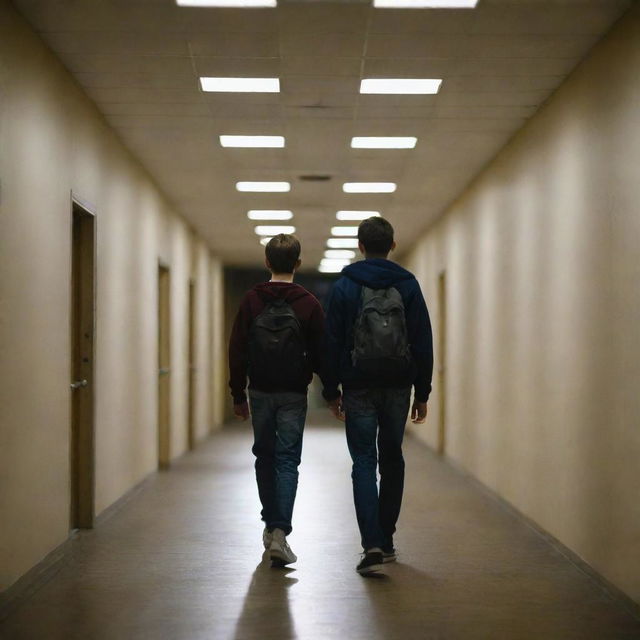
x=288, y=291
x=376, y=273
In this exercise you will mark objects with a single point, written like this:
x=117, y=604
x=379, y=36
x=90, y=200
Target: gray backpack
x=380, y=344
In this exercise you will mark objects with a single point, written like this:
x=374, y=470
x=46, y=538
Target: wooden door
x=442, y=361
x=83, y=261
x=192, y=365
x=164, y=367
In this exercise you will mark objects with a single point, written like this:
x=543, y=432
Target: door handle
x=79, y=383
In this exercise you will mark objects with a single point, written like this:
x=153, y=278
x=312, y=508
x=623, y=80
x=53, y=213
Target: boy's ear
x=393, y=245
x=267, y=264
x=361, y=247
x=298, y=263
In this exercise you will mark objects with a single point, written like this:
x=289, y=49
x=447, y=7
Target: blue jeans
x=377, y=416
x=278, y=425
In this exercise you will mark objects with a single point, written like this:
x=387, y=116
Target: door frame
x=82, y=320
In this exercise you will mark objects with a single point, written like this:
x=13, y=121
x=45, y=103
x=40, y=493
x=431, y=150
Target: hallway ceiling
x=140, y=61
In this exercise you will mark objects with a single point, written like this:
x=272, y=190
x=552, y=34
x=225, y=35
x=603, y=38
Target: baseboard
x=615, y=593
x=41, y=573
x=114, y=507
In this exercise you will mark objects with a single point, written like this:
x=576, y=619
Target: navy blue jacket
x=342, y=310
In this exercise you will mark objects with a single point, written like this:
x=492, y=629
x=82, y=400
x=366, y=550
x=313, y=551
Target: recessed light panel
x=342, y=243
x=335, y=261
x=330, y=268
x=233, y=4
x=344, y=231
x=274, y=230
x=344, y=254
x=386, y=142
x=400, y=85
x=369, y=187
x=258, y=142
x=268, y=214
x=425, y=4
x=241, y=85
x=264, y=187
x=357, y=215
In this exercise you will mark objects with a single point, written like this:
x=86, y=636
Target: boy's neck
x=281, y=277
x=369, y=256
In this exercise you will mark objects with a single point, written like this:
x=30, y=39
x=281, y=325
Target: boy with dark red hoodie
x=276, y=341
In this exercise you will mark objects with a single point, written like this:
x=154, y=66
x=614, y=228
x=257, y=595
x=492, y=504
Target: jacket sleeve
x=334, y=342
x=238, y=352
x=421, y=341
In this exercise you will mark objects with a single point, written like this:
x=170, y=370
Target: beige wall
x=541, y=256
x=53, y=142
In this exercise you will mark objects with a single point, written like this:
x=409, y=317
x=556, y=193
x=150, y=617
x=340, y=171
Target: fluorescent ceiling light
x=386, y=142
x=325, y=268
x=344, y=231
x=357, y=215
x=329, y=261
x=274, y=230
x=268, y=214
x=242, y=4
x=346, y=254
x=342, y=243
x=369, y=187
x=264, y=187
x=425, y=4
x=241, y=85
x=400, y=85
x=265, y=241
x=262, y=142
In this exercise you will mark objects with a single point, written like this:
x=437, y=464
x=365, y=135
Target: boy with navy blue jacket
x=376, y=408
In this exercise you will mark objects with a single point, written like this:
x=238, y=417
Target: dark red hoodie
x=309, y=313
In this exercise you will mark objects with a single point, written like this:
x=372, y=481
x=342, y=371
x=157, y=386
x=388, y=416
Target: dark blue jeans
x=278, y=425
x=377, y=416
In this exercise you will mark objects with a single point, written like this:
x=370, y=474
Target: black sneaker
x=389, y=555
x=370, y=563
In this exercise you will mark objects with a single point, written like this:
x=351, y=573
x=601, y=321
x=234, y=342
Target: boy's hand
x=418, y=412
x=335, y=406
x=241, y=411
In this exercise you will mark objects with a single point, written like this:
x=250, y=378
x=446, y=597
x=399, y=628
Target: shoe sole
x=386, y=559
x=371, y=569
x=278, y=559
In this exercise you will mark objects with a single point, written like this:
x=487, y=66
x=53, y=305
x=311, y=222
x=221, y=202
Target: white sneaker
x=267, y=537
x=280, y=551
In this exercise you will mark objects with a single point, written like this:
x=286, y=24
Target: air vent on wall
x=314, y=178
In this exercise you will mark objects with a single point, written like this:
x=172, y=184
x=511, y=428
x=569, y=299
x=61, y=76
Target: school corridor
x=149, y=151
x=182, y=559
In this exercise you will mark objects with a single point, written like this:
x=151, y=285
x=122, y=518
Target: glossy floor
x=183, y=560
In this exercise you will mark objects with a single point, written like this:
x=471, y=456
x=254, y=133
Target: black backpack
x=277, y=353
x=380, y=344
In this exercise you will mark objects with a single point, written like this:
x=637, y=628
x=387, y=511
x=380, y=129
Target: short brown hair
x=283, y=252
x=376, y=235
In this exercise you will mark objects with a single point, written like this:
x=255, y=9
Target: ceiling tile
x=105, y=42
x=249, y=45
x=339, y=45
